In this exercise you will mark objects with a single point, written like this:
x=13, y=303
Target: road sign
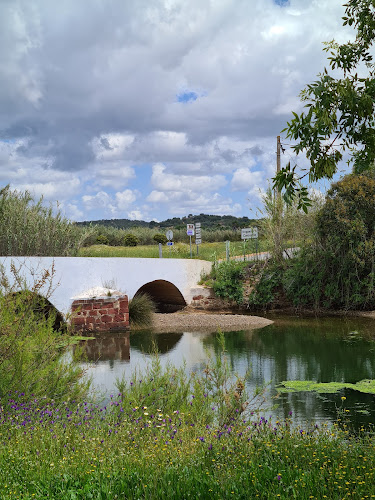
x=169, y=234
x=169, y=243
x=249, y=233
x=198, y=234
x=190, y=229
x=198, y=241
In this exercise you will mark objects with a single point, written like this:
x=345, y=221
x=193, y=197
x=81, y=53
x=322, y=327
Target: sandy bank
x=202, y=321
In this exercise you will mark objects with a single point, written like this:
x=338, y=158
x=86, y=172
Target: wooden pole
x=278, y=155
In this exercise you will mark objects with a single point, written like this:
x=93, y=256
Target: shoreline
x=204, y=321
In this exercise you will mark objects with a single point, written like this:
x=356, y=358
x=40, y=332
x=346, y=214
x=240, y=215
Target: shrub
x=130, y=240
x=228, y=280
x=102, y=240
x=141, y=308
x=160, y=238
x=267, y=284
x=31, y=349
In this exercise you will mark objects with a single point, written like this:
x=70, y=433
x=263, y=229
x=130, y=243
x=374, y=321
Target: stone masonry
x=100, y=314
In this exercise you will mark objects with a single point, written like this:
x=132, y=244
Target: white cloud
x=244, y=179
x=125, y=198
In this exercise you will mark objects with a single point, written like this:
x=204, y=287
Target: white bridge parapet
x=75, y=275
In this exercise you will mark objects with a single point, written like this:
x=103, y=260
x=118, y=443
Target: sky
x=150, y=109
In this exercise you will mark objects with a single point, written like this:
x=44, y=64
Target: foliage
x=130, y=240
x=160, y=238
x=30, y=348
x=29, y=228
x=339, y=111
x=267, y=284
x=338, y=271
x=141, y=309
x=101, y=239
x=227, y=280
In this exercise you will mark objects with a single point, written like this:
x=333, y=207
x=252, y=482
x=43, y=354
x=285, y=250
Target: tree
x=340, y=111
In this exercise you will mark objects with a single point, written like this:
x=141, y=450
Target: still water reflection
x=319, y=349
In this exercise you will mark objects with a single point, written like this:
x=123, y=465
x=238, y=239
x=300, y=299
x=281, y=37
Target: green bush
x=267, y=284
x=141, y=309
x=228, y=280
x=102, y=240
x=31, y=348
x=160, y=238
x=130, y=240
x=338, y=270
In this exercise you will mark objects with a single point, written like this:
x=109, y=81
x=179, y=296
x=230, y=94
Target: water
x=320, y=349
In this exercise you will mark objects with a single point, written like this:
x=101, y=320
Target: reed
x=29, y=228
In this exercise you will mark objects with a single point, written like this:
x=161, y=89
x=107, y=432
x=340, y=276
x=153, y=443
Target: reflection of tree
x=146, y=341
x=308, y=349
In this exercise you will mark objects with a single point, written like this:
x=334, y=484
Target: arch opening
x=166, y=296
x=40, y=306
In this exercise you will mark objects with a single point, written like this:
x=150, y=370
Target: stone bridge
x=171, y=283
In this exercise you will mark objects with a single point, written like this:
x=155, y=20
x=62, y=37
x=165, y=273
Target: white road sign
x=169, y=234
x=198, y=241
x=249, y=233
x=190, y=229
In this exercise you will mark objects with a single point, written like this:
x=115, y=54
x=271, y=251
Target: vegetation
x=211, y=222
x=160, y=238
x=339, y=111
x=166, y=436
x=207, y=251
x=29, y=228
x=31, y=348
x=141, y=308
x=130, y=240
x=227, y=280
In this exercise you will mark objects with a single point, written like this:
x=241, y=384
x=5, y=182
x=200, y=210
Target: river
x=329, y=349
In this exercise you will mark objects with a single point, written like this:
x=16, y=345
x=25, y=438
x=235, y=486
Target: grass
x=207, y=251
x=163, y=436
x=141, y=308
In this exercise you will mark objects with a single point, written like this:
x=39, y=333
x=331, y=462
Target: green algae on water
x=366, y=386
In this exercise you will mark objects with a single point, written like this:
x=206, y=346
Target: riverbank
x=205, y=321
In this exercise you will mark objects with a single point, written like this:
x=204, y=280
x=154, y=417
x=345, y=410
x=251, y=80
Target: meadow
x=207, y=251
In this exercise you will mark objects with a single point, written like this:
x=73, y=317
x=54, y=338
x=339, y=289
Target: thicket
x=31, y=347
x=335, y=269
x=29, y=228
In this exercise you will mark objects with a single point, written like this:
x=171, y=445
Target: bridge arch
x=166, y=296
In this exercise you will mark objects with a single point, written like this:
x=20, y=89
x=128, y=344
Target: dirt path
x=202, y=321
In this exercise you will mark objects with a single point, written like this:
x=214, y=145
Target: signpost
x=249, y=233
x=169, y=235
x=190, y=233
x=198, y=235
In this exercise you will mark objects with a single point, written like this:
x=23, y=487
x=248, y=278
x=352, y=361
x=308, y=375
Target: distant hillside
x=207, y=221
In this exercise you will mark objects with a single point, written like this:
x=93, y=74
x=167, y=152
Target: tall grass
x=29, y=228
x=141, y=308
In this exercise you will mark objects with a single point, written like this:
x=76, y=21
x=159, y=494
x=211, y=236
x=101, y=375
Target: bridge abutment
x=100, y=314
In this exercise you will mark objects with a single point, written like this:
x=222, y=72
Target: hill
x=207, y=221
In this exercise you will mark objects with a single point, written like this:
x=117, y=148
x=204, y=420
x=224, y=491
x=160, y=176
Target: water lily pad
x=366, y=386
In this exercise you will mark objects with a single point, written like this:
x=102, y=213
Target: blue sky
x=155, y=108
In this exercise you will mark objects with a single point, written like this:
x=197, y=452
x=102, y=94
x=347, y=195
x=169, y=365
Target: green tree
x=339, y=112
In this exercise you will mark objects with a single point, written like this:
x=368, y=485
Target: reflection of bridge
x=170, y=282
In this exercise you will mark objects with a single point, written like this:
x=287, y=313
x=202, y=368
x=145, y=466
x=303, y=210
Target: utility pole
x=278, y=155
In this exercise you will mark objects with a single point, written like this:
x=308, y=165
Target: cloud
x=91, y=99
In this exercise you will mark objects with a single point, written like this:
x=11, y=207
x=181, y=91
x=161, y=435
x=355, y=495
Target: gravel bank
x=202, y=321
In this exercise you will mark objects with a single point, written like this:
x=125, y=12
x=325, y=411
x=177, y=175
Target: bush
x=31, y=349
x=130, y=240
x=267, y=284
x=102, y=240
x=160, y=238
x=228, y=280
x=338, y=270
x=141, y=308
